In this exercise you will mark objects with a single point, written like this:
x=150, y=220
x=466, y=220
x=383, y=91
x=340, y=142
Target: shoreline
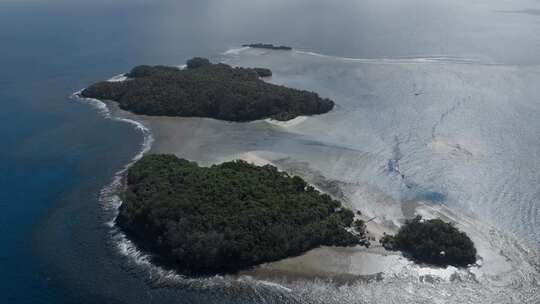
x=110, y=202
x=286, y=268
x=187, y=137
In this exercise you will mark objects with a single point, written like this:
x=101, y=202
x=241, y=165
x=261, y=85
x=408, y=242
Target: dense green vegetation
x=433, y=242
x=211, y=90
x=268, y=46
x=197, y=62
x=228, y=216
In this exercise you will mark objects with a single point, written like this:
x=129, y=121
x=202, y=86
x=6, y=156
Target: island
x=204, y=89
x=226, y=217
x=268, y=46
x=433, y=242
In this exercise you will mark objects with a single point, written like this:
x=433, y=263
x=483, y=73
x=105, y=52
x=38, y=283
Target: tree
x=197, y=62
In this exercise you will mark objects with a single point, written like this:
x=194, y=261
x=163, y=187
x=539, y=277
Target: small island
x=432, y=241
x=227, y=217
x=205, y=89
x=268, y=46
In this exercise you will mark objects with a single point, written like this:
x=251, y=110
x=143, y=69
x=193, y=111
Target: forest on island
x=228, y=216
x=205, y=89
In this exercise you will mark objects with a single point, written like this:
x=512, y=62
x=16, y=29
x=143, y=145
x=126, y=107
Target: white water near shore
x=389, y=149
x=110, y=201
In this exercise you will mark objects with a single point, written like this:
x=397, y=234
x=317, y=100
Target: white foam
x=236, y=51
x=110, y=200
x=96, y=103
x=414, y=60
x=289, y=123
x=118, y=78
x=274, y=285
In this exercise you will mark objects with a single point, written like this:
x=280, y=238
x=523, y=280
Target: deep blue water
x=57, y=154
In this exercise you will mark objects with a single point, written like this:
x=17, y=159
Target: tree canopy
x=197, y=62
x=226, y=217
x=208, y=90
x=433, y=241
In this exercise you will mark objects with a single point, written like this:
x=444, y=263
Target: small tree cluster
x=432, y=241
x=197, y=62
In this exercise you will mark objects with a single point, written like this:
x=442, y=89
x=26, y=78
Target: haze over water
x=446, y=89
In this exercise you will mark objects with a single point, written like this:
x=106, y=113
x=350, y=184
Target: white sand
x=287, y=124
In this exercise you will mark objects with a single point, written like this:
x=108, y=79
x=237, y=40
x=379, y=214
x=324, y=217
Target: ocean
x=468, y=140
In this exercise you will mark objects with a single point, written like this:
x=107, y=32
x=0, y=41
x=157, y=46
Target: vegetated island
x=223, y=218
x=268, y=46
x=432, y=241
x=210, y=90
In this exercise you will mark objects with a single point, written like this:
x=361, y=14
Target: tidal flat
x=406, y=137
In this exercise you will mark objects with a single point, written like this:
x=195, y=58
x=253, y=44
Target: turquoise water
x=57, y=154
